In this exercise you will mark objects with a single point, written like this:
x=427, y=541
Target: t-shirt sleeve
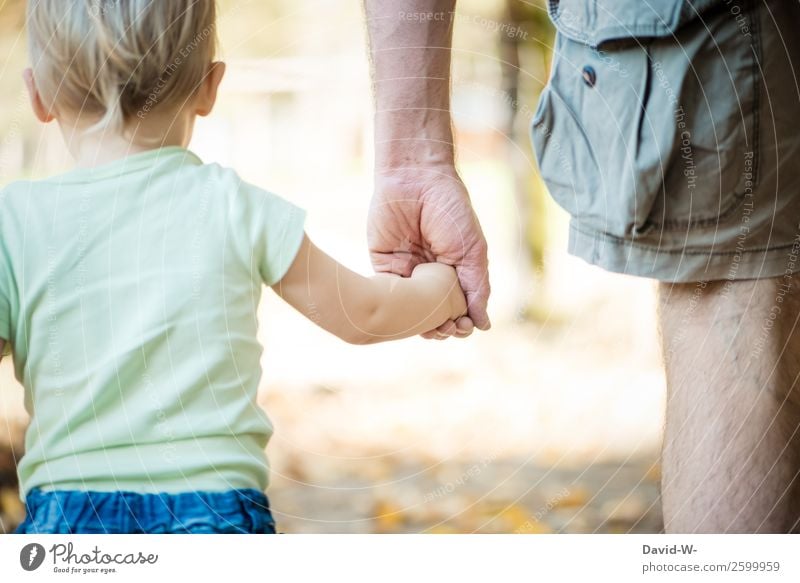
x=5, y=304
x=5, y=294
x=5, y=322
x=5, y=314
x=276, y=230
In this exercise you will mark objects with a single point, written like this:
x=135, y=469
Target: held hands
x=443, y=283
x=422, y=214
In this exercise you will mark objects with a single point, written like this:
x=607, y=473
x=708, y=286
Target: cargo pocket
x=643, y=132
x=586, y=135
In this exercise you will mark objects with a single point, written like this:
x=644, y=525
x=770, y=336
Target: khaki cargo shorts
x=674, y=142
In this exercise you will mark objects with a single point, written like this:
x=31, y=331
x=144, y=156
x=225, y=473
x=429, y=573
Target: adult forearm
x=410, y=46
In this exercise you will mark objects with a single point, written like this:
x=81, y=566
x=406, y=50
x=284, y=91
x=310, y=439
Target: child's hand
x=444, y=284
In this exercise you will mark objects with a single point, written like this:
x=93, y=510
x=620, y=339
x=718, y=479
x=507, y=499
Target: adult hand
x=422, y=214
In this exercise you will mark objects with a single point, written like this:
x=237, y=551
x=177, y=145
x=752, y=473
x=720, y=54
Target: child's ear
x=207, y=96
x=41, y=112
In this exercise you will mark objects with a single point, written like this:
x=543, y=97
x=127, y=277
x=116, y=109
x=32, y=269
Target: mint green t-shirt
x=128, y=295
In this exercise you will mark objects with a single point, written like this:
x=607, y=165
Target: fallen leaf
x=577, y=496
x=387, y=517
x=11, y=505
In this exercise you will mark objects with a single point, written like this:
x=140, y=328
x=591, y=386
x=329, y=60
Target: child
x=129, y=286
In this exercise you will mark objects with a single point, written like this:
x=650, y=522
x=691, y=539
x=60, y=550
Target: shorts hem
x=686, y=265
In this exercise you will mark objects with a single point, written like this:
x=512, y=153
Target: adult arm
x=421, y=211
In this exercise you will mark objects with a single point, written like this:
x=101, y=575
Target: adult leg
x=731, y=457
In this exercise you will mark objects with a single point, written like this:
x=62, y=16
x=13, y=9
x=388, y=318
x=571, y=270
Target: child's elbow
x=357, y=338
x=366, y=327
x=365, y=336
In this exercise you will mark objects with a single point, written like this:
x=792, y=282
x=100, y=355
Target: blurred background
x=550, y=422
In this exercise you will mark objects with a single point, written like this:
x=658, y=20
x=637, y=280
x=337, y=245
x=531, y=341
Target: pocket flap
x=594, y=22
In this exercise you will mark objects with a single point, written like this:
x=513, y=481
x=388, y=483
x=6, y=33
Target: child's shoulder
x=29, y=197
x=16, y=187
x=16, y=193
x=240, y=192
x=13, y=209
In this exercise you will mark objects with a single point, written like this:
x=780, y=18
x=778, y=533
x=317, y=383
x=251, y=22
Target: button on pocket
x=589, y=76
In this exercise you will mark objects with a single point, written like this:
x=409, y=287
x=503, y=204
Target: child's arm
x=367, y=310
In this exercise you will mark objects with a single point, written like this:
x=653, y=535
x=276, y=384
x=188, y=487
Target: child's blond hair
x=117, y=60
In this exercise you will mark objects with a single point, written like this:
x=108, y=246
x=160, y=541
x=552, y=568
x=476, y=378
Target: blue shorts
x=242, y=511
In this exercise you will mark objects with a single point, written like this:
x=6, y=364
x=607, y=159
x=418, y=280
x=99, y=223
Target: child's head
x=112, y=64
